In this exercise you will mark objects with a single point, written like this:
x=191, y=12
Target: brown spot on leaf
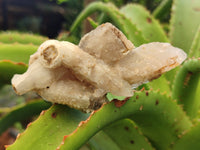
x=171, y=145
x=157, y=102
x=119, y=103
x=126, y=128
x=53, y=115
x=10, y=38
x=149, y=20
x=132, y=142
x=141, y=107
x=179, y=136
x=177, y=130
x=137, y=96
x=187, y=78
x=197, y=9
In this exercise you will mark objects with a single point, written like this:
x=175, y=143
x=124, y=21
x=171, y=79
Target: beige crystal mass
x=105, y=61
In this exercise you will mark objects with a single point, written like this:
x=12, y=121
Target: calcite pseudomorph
x=105, y=61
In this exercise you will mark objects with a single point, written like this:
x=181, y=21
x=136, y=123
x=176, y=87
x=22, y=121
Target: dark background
x=38, y=16
x=49, y=17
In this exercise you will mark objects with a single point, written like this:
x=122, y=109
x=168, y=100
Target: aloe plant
x=23, y=38
x=15, y=49
x=162, y=116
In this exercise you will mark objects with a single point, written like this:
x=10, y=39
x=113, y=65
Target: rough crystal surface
x=105, y=61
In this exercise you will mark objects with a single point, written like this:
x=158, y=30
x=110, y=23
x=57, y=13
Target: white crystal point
x=149, y=61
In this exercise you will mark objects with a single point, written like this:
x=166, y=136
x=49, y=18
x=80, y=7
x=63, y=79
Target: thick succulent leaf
x=65, y=36
x=185, y=88
x=190, y=140
x=149, y=26
x=23, y=38
x=162, y=9
x=92, y=22
x=21, y=112
x=184, y=23
x=17, y=52
x=8, y=69
x=169, y=76
x=161, y=84
x=122, y=134
x=102, y=141
x=13, y=60
x=195, y=49
x=48, y=130
x=120, y=20
x=150, y=111
x=127, y=135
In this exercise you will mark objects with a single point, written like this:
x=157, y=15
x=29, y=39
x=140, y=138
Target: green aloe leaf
x=119, y=19
x=183, y=27
x=184, y=23
x=185, y=88
x=21, y=112
x=8, y=69
x=127, y=135
x=162, y=9
x=149, y=26
x=170, y=75
x=195, y=48
x=46, y=133
x=122, y=134
x=102, y=141
x=17, y=52
x=161, y=84
x=92, y=22
x=10, y=37
x=13, y=60
x=190, y=140
x=149, y=110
